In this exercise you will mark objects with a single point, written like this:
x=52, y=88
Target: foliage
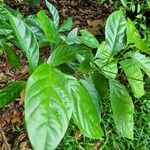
x=53, y=95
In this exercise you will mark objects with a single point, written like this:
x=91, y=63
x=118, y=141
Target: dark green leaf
x=12, y=57
x=48, y=107
x=11, y=92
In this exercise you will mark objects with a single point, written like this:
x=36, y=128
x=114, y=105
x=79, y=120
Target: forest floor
x=86, y=14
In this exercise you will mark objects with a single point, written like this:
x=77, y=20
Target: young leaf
x=143, y=61
x=88, y=39
x=135, y=76
x=122, y=107
x=12, y=57
x=26, y=40
x=62, y=54
x=85, y=113
x=124, y=3
x=48, y=27
x=115, y=31
x=48, y=107
x=54, y=13
x=11, y=92
x=105, y=62
x=67, y=25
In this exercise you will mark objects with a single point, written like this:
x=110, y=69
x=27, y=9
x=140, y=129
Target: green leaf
x=48, y=27
x=143, y=61
x=67, y=25
x=124, y=3
x=88, y=39
x=122, y=107
x=105, y=62
x=48, y=107
x=54, y=13
x=135, y=76
x=5, y=29
x=26, y=40
x=100, y=83
x=11, y=92
x=133, y=36
x=115, y=31
x=12, y=57
x=62, y=54
x=85, y=113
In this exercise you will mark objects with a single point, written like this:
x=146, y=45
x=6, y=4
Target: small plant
x=73, y=81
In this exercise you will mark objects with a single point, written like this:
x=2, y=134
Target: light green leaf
x=88, y=39
x=5, y=29
x=105, y=62
x=48, y=27
x=85, y=113
x=54, y=13
x=122, y=107
x=135, y=76
x=48, y=107
x=11, y=92
x=143, y=61
x=26, y=40
x=67, y=25
x=62, y=54
x=124, y=3
x=12, y=57
x=115, y=31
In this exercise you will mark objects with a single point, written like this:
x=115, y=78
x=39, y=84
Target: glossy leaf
x=135, y=76
x=143, y=61
x=54, y=13
x=5, y=29
x=26, y=40
x=12, y=57
x=11, y=92
x=67, y=25
x=48, y=107
x=105, y=62
x=85, y=113
x=123, y=108
x=88, y=39
x=115, y=31
x=48, y=27
x=62, y=54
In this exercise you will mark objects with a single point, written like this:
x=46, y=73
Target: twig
x=4, y=138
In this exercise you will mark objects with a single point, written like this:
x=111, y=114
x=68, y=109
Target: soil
x=86, y=14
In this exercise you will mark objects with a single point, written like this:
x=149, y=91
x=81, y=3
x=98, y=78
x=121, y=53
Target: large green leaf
x=115, y=31
x=143, y=61
x=122, y=107
x=26, y=40
x=48, y=107
x=11, y=92
x=88, y=39
x=105, y=62
x=85, y=113
x=133, y=36
x=54, y=13
x=48, y=27
x=62, y=54
x=5, y=29
x=135, y=76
